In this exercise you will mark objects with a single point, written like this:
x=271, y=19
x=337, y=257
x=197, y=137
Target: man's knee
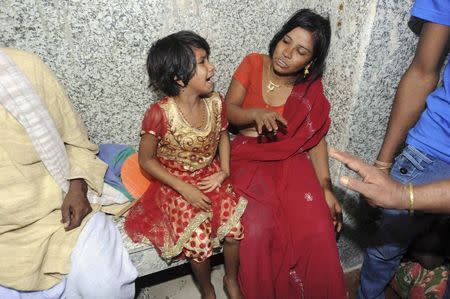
x=386, y=252
x=105, y=287
x=101, y=267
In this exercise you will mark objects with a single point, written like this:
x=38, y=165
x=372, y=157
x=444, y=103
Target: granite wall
x=98, y=49
x=387, y=47
x=371, y=48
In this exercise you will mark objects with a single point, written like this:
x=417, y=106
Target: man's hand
x=377, y=188
x=75, y=205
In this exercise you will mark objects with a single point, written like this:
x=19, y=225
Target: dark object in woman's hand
x=271, y=136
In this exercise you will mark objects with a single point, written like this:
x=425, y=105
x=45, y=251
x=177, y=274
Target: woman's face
x=293, y=52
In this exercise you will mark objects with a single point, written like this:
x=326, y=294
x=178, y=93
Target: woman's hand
x=270, y=120
x=195, y=197
x=335, y=209
x=213, y=181
x=377, y=187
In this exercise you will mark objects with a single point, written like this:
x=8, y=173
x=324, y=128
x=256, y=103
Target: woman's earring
x=306, y=71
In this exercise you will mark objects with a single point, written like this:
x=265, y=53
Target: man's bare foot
x=232, y=288
x=208, y=293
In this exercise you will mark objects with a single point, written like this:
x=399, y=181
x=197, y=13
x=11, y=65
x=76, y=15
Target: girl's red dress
x=162, y=216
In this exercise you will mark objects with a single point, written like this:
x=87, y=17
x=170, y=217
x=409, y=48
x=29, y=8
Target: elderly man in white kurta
x=53, y=242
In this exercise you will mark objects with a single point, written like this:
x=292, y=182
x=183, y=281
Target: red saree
x=289, y=250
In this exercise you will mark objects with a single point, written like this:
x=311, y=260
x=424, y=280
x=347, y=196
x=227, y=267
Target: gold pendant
x=271, y=86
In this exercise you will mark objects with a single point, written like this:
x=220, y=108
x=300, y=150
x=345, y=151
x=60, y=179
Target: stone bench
x=144, y=257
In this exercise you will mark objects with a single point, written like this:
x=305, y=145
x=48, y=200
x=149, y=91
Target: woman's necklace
x=203, y=120
x=271, y=85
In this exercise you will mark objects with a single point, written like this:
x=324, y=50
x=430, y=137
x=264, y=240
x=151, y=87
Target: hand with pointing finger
x=378, y=188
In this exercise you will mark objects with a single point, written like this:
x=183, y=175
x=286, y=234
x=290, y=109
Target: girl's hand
x=213, y=181
x=195, y=197
x=335, y=210
x=271, y=120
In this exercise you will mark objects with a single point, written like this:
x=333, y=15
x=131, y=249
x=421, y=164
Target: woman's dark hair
x=172, y=58
x=321, y=31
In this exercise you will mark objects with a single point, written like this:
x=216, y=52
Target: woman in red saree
x=279, y=162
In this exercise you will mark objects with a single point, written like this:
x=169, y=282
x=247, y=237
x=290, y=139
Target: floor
x=183, y=287
x=178, y=284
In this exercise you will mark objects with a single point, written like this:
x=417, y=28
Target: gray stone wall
x=98, y=49
x=371, y=48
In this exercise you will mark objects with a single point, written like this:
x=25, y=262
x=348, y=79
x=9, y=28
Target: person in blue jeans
x=421, y=115
x=380, y=190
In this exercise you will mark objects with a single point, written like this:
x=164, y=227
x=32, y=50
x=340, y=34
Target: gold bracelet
x=382, y=167
x=410, y=190
x=381, y=163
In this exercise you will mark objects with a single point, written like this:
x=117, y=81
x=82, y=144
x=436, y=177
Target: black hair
x=321, y=31
x=172, y=58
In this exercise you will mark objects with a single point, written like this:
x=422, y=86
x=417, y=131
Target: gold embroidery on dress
x=230, y=189
x=193, y=148
x=169, y=252
x=225, y=228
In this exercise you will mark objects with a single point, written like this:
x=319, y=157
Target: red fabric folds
x=289, y=250
x=162, y=216
x=307, y=111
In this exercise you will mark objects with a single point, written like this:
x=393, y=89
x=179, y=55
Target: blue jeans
x=397, y=228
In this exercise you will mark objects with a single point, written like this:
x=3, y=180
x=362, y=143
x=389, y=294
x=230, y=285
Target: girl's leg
x=231, y=257
x=202, y=273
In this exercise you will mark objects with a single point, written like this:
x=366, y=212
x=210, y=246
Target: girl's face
x=201, y=83
x=293, y=52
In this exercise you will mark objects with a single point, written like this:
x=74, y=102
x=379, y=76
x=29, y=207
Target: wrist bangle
x=382, y=167
x=383, y=164
x=410, y=190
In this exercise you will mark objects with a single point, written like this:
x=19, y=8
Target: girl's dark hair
x=172, y=58
x=321, y=31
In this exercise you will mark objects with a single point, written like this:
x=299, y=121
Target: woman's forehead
x=301, y=37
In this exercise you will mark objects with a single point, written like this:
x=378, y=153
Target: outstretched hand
x=377, y=187
x=75, y=205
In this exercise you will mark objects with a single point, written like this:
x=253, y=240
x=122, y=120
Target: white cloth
x=100, y=267
x=18, y=96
